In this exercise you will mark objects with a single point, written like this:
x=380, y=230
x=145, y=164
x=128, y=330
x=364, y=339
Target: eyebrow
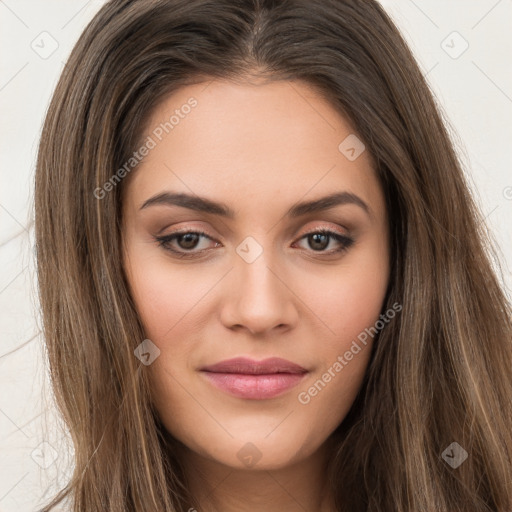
x=202, y=204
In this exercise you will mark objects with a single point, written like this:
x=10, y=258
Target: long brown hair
x=439, y=373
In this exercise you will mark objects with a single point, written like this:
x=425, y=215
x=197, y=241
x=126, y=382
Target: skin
x=259, y=149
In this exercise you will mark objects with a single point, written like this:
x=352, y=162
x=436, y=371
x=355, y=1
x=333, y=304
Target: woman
x=264, y=282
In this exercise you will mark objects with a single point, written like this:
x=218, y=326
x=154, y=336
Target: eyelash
x=164, y=241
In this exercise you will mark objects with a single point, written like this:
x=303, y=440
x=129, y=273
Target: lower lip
x=254, y=387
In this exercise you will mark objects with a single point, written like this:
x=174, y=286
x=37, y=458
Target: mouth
x=254, y=380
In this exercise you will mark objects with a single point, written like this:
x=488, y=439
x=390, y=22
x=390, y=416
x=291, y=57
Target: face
x=254, y=272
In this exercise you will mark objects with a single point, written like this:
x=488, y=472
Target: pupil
x=190, y=242
x=316, y=238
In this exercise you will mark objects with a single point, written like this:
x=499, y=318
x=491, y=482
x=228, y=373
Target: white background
x=475, y=94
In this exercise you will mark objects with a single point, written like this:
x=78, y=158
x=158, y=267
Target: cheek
x=346, y=299
x=350, y=304
x=165, y=294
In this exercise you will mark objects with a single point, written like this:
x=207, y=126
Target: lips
x=256, y=380
x=252, y=367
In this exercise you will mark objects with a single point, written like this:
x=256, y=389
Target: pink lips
x=256, y=380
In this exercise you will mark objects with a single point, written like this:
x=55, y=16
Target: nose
x=258, y=299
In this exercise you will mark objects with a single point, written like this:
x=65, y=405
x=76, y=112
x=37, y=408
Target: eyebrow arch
x=203, y=204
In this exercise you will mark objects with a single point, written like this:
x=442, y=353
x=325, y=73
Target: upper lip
x=244, y=365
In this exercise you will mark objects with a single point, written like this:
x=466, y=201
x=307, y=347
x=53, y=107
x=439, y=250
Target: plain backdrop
x=464, y=48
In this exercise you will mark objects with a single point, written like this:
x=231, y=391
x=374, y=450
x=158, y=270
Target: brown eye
x=186, y=242
x=319, y=240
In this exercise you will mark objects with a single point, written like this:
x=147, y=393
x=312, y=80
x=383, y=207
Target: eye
x=320, y=239
x=187, y=242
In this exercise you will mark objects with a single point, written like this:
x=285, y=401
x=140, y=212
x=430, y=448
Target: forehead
x=277, y=139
